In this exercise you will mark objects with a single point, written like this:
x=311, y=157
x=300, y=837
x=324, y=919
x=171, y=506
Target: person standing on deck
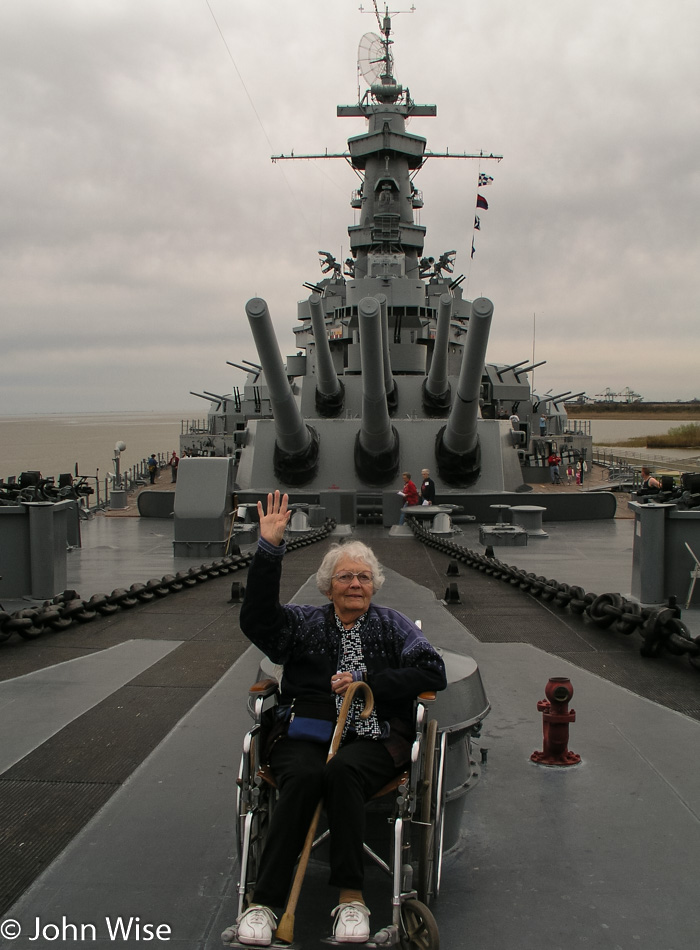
x=409, y=492
x=427, y=488
x=554, y=461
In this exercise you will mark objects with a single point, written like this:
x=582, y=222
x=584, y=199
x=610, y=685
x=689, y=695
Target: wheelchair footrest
x=229, y=938
x=332, y=942
x=387, y=937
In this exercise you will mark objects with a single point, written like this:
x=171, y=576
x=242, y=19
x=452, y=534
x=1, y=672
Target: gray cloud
x=141, y=210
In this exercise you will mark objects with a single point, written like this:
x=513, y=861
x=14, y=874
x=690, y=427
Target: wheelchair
x=413, y=805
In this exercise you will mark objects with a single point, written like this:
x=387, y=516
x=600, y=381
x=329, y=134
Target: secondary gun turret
x=212, y=397
x=377, y=442
x=526, y=369
x=507, y=369
x=457, y=449
x=558, y=398
x=249, y=368
x=295, y=456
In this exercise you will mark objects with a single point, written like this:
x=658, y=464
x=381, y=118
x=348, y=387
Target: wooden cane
x=285, y=930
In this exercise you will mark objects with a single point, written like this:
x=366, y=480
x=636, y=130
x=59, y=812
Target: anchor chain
x=660, y=628
x=67, y=608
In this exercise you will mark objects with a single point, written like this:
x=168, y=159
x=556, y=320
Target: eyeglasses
x=345, y=577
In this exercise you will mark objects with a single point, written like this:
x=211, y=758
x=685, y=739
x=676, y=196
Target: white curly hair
x=355, y=551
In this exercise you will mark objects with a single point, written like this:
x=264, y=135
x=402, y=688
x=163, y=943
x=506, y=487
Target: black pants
x=346, y=783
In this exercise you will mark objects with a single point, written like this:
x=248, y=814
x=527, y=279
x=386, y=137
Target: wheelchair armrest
x=264, y=688
x=427, y=697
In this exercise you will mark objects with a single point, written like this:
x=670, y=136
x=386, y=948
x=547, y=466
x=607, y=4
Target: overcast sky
x=140, y=209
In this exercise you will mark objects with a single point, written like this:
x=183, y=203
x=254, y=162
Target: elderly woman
x=323, y=650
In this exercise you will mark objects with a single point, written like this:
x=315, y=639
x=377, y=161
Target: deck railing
x=631, y=460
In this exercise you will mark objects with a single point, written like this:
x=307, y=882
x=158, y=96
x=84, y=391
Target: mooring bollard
x=452, y=594
x=556, y=717
x=237, y=592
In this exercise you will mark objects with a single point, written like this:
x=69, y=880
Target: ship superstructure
x=390, y=369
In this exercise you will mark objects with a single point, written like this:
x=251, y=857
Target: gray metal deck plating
x=597, y=855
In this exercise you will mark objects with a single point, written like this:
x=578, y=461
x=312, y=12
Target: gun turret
x=556, y=399
x=507, y=369
x=457, y=449
x=569, y=397
x=295, y=457
x=330, y=392
x=437, y=391
x=377, y=443
x=208, y=397
x=526, y=369
x=246, y=369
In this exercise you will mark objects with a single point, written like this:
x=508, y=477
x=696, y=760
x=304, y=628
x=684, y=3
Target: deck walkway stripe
x=36, y=706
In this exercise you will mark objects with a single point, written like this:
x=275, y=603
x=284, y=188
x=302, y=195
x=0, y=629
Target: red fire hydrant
x=556, y=717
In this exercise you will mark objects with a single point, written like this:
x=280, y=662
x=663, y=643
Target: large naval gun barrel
x=296, y=445
x=436, y=386
x=330, y=392
x=457, y=449
x=377, y=442
x=392, y=393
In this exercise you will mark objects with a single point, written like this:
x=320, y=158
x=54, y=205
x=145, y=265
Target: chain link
x=661, y=628
x=68, y=608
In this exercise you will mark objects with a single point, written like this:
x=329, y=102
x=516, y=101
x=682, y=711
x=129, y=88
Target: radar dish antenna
x=373, y=58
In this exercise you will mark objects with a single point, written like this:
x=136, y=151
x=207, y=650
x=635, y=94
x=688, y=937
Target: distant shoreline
x=634, y=410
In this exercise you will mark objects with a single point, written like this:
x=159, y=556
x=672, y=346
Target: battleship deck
x=121, y=740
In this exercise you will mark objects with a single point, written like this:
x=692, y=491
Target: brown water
x=53, y=444
x=613, y=432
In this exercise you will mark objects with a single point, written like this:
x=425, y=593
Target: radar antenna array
x=373, y=58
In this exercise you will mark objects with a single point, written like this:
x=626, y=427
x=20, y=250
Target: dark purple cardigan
x=400, y=662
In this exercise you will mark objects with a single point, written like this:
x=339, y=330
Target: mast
x=387, y=241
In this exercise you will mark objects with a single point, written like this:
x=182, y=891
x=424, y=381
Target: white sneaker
x=256, y=925
x=351, y=923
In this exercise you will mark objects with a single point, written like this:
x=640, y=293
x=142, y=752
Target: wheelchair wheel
x=258, y=836
x=419, y=931
x=254, y=813
x=246, y=773
x=432, y=816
